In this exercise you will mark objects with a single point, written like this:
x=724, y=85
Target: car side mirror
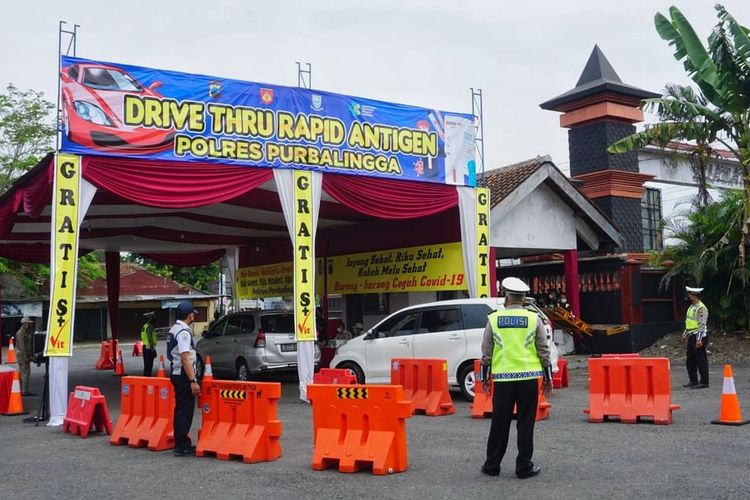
x=155, y=85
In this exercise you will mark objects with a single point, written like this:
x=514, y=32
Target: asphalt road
x=689, y=459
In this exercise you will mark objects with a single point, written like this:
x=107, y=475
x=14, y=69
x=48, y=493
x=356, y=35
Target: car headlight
x=91, y=113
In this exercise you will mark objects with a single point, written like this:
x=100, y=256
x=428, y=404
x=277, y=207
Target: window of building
x=651, y=219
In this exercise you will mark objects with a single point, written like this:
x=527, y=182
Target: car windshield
x=110, y=79
x=277, y=323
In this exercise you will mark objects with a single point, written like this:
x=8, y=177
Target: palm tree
x=718, y=112
x=706, y=247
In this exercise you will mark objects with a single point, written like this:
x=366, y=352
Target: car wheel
x=356, y=369
x=466, y=382
x=199, y=367
x=243, y=372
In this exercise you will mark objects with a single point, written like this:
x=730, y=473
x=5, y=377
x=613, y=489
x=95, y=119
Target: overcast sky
x=426, y=53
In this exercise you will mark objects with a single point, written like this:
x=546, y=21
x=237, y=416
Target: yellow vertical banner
x=304, y=258
x=483, y=242
x=64, y=254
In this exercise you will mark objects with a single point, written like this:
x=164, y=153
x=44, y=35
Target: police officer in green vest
x=696, y=336
x=515, y=355
x=148, y=337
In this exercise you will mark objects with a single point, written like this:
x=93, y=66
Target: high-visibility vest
x=148, y=342
x=691, y=318
x=514, y=356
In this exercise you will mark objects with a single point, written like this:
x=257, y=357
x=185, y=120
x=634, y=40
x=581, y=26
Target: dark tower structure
x=599, y=111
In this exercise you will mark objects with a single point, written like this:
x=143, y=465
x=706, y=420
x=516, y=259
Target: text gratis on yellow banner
x=304, y=259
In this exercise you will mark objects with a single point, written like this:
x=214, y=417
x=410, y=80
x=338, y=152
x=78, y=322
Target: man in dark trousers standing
x=181, y=353
x=515, y=354
x=696, y=336
x=149, y=340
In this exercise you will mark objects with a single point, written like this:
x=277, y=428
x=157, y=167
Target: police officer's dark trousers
x=148, y=361
x=525, y=394
x=697, y=360
x=183, y=411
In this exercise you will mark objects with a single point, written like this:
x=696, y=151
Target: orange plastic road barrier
x=120, y=366
x=335, y=376
x=359, y=426
x=87, y=410
x=137, y=349
x=482, y=405
x=146, y=414
x=11, y=353
x=630, y=388
x=542, y=406
x=162, y=371
x=208, y=372
x=730, y=413
x=560, y=378
x=622, y=355
x=239, y=420
x=105, y=357
x=15, y=403
x=425, y=383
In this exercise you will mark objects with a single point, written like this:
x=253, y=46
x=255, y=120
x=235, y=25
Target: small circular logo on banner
x=206, y=408
x=126, y=389
x=163, y=393
x=394, y=365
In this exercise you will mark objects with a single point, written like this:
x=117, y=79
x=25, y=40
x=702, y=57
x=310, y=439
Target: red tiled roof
x=137, y=281
x=505, y=180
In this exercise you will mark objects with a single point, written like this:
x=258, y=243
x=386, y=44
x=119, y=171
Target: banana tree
x=718, y=112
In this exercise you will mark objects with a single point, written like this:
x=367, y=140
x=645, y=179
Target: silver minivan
x=249, y=343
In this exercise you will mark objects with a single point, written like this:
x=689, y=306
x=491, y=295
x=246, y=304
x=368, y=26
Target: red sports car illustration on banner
x=92, y=110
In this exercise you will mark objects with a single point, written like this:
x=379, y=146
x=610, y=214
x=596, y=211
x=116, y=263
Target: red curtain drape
x=186, y=259
x=390, y=199
x=31, y=197
x=112, y=265
x=167, y=184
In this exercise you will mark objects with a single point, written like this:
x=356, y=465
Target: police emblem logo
x=317, y=102
x=266, y=96
x=214, y=89
x=126, y=389
x=163, y=393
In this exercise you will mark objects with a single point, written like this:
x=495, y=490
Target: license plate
x=288, y=347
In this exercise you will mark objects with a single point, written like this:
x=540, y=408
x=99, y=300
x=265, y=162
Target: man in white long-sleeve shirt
x=515, y=354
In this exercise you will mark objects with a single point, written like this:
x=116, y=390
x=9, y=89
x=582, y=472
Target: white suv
x=450, y=330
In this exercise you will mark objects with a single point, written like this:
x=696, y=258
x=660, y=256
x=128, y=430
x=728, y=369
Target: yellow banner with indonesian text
x=413, y=269
x=304, y=263
x=65, y=204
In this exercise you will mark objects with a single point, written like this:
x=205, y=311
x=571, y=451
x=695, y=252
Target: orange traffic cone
x=11, y=353
x=730, y=413
x=119, y=367
x=208, y=373
x=162, y=371
x=15, y=403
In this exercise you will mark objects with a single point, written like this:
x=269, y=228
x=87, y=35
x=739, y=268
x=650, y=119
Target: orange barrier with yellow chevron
x=239, y=420
x=359, y=426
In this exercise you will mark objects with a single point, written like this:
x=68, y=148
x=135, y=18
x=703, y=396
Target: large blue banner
x=122, y=110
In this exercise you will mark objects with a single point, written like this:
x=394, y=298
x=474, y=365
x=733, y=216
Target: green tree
x=706, y=249
x=201, y=277
x=27, y=132
x=718, y=111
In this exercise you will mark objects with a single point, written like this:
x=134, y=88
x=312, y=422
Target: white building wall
x=540, y=221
